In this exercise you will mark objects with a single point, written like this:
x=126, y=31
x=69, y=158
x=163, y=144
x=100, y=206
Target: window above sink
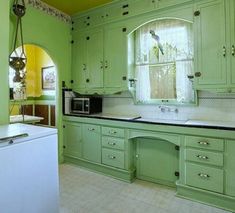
x=163, y=62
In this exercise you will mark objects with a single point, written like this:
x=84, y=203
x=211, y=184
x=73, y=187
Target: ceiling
x=73, y=6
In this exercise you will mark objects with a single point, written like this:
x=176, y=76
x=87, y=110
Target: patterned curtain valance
x=38, y=4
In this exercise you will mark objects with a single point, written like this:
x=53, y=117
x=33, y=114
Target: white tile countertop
x=211, y=123
x=189, y=123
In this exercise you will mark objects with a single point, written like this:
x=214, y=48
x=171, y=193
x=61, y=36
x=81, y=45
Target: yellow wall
x=36, y=59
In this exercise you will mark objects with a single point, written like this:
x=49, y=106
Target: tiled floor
x=83, y=191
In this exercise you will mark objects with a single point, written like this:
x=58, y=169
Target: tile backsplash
x=215, y=107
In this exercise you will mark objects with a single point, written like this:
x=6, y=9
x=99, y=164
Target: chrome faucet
x=168, y=109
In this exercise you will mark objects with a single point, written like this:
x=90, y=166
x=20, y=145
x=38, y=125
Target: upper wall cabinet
x=120, y=10
x=210, y=35
x=115, y=58
x=231, y=14
x=167, y=3
x=87, y=60
x=99, y=60
x=214, y=39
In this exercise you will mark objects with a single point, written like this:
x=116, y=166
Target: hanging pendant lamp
x=17, y=60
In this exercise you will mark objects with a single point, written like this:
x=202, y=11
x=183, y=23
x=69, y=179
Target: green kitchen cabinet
x=205, y=177
x=79, y=65
x=115, y=54
x=157, y=161
x=137, y=7
x=72, y=135
x=91, y=143
x=87, y=61
x=230, y=168
x=94, y=57
x=231, y=47
x=167, y=3
x=210, y=45
x=100, y=60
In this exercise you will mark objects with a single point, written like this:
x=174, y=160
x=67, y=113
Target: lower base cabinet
x=205, y=177
x=91, y=143
x=157, y=161
x=72, y=135
x=201, y=164
x=113, y=158
x=230, y=168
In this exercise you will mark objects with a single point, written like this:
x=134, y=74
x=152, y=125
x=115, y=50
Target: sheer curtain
x=169, y=70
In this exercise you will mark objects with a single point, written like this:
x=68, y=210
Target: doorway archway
x=33, y=99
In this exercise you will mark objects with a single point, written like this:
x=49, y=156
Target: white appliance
x=68, y=95
x=28, y=169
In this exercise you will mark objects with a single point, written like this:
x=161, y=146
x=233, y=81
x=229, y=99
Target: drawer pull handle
x=203, y=175
x=91, y=129
x=112, y=144
x=202, y=157
x=112, y=132
x=112, y=157
x=203, y=143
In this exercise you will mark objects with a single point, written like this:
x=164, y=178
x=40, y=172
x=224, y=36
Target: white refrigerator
x=28, y=169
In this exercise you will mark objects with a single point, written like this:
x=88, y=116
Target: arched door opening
x=33, y=95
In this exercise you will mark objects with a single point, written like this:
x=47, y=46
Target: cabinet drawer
x=91, y=128
x=113, y=158
x=205, y=143
x=114, y=132
x=204, y=177
x=114, y=143
x=206, y=157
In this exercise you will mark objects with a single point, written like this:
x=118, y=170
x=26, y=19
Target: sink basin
x=165, y=121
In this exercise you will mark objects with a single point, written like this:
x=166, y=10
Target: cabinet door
x=79, y=63
x=167, y=3
x=230, y=168
x=157, y=161
x=210, y=44
x=115, y=64
x=141, y=6
x=91, y=144
x=231, y=27
x=72, y=139
x=94, y=56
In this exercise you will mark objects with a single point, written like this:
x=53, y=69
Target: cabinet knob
x=224, y=51
x=84, y=67
x=112, y=157
x=87, y=80
x=101, y=64
x=106, y=64
x=198, y=74
x=197, y=13
x=233, y=50
x=91, y=129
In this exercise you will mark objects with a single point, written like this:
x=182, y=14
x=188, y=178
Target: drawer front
x=114, y=143
x=206, y=157
x=204, y=177
x=114, y=132
x=113, y=158
x=205, y=143
x=91, y=128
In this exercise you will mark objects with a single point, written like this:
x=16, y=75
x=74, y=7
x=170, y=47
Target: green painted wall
x=54, y=37
x=4, y=46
